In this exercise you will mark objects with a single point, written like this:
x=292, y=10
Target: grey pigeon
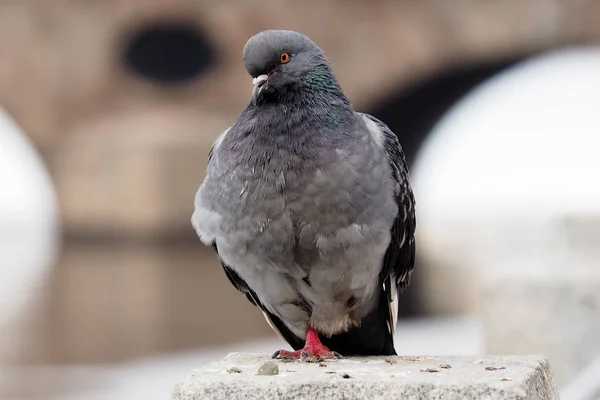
x=309, y=207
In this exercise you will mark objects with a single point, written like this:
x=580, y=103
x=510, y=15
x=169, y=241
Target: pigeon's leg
x=313, y=351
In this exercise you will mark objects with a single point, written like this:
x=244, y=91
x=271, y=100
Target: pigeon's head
x=281, y=62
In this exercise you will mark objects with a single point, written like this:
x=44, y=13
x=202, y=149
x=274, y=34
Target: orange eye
x=284, y=58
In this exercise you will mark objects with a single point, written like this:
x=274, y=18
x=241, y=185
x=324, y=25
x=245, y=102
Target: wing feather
x=399, y=259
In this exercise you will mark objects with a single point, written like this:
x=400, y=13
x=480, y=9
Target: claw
x=313, y=350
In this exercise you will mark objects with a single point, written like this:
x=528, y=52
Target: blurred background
x=108, y=111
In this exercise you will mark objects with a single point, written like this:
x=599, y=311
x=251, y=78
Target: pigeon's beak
x=258, y=85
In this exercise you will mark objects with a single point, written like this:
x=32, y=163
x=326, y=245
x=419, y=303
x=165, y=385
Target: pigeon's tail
x=372, y=338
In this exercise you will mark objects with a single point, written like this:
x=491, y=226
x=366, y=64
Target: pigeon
x=309, y=206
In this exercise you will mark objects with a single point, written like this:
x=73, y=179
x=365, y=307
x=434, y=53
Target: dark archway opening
x=414, y=111
x=168, y=52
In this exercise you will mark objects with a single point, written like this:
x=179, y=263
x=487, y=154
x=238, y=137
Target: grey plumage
x=307, y=202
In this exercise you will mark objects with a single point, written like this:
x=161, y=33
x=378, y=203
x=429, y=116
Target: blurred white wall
x=507, y=171
x=29, y=229
x=508, y=196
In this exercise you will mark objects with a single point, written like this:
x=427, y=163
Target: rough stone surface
x=556, y=316
x=268, y=368
x=487, y=377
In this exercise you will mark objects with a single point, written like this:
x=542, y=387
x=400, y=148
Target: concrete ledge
x=487, y=377
x=515, y=309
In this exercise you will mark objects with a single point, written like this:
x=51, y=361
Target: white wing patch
x=393, y=306
x=376, y=133
x=272, y=325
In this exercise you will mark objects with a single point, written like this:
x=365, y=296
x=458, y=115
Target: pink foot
x=313, y=351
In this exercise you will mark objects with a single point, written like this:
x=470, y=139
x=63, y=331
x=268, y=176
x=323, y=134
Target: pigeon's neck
x=314, y=106
x=317, y=101
x=320, y=90
x=319, y=110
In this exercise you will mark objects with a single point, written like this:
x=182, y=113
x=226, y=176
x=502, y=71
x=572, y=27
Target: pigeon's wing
x=399, y=259
x=375, y=335
x=275, y=322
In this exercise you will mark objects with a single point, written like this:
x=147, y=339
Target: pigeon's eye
x=284, y=58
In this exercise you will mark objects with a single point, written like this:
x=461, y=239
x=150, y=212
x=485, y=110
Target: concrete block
x=487, y=377
x=558, y=316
